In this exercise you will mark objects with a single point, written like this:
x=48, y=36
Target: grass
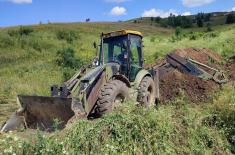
x=29, y=65
x=178, y=128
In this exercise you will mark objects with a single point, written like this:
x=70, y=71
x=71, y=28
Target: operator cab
x=124, y=48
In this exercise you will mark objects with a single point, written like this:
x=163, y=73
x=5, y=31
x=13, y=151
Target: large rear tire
x=147, y=92
x=110, y=95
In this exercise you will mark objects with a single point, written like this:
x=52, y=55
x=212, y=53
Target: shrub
x=178, y=31
x=193, y=37
x=13, y=33
x=152, y=39
x=68, y=73
x=22, y=31
x=208, y=27
x=211, y=35
x=25, y=30
x=67, y=35
x=6, y=41
x=178, y=35
x=66, y=58
x=173, y=39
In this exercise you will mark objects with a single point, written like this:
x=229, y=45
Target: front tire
x=147, y=92
x=111, y=92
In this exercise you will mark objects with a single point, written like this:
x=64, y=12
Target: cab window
x=115, y=50
x=135, y=50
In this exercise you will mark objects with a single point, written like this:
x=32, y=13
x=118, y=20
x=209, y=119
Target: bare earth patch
x=174, y=82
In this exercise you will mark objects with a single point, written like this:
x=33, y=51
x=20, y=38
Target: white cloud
x=116, y=1
x=158, y=13
x=233, y=9
x=196, y=3
x=21, y=1
x=118, y=11
x=186, y=14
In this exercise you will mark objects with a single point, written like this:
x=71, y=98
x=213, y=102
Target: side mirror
x=95, y=62
x=95, y=45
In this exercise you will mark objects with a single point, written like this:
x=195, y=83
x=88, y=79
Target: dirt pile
x=175, y=83
x=204, y=55
x=230, y=68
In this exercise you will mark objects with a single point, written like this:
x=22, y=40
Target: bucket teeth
x=40, y=112
x=15, y=122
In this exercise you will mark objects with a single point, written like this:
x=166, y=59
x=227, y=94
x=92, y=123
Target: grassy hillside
x=212, y=19
x=28, y=65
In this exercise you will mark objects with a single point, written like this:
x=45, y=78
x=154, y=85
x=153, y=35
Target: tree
x=171, y=20
x=200, y=19
x=157, y=19
x=207, y=17
x=230, y=19
x=180, y=21
x=200, y=23
x=88, y=20
x=152, y=20
x=186, y=22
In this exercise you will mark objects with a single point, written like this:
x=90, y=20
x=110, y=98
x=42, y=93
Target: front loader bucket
x=45, y=113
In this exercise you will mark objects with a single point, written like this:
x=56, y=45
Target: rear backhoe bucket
x=45, y=113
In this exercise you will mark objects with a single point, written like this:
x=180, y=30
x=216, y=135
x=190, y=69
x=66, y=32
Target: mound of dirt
x=173, y=83
x=204, y=55
x=230, y=67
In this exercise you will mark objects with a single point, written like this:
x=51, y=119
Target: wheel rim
x=118, y=100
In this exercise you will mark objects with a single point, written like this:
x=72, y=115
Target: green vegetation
x=192, y=21
x=66, y=59
x=230, y=19
x=182, y=21
x=178, y=128
x=33, y=58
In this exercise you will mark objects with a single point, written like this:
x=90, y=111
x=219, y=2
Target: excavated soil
x=175, y=83
x=205, y=56
x=230, y=67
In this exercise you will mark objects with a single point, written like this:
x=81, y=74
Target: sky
x=27, y=12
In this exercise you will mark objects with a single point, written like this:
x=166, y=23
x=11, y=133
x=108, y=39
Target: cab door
x=135, y=56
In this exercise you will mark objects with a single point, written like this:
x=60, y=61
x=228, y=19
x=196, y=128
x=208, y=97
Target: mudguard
x=140, y=76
